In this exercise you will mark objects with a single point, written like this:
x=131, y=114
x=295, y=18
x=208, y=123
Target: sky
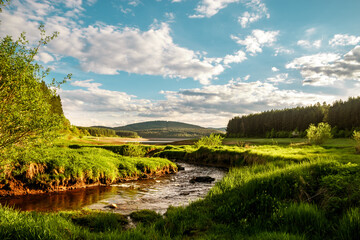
x=196, y=61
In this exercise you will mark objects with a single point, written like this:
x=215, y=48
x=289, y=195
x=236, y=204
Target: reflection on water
x=155, y=194
x=69, y=200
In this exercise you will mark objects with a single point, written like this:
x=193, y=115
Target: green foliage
x=349, y=225
x=146, y=217
x=356, y=137
x=98, y=132
x=307, y=192
x=318, y=134
x=276, y=123
x=133, y=150
x=28, y=111
x=127, y=134
x=98, y=221
x=213, y=140
x=57, y=166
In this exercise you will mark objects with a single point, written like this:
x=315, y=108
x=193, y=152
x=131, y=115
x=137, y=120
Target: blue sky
x=195, y=61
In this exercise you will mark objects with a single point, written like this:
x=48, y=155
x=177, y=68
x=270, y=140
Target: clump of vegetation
x=318, y=134
x=133, y=150
x=213, y=140
x=356, y=136
x=146, y=217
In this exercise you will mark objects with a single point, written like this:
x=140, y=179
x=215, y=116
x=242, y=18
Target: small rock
x=180, y=168
x=184, y=193
x=203, y=179
x=113, y=205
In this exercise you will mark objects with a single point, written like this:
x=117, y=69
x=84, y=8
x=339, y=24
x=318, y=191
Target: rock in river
x=203, y=179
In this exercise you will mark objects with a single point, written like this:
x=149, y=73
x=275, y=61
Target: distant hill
x=168, y=129
x=156, y=125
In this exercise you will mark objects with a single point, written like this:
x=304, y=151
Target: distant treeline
x=127, y=134
x=107, y=132
x=343, y=116
x=97, y=132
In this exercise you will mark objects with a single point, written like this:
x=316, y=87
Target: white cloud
x=327, y=68
x=310, y=31
x=279, y=78
x=209, y=8
x=211, y=105
x=237, y=58
x=44, y=57
x=259, y=11
x=309, y=44
x=275, y=69
x=344, y=40
x=107, y=49
x=282, y=50
x=134, y=3
x=257, y=40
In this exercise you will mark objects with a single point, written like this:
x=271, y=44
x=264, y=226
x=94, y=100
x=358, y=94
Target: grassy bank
x=60, y=168
x=283, y=192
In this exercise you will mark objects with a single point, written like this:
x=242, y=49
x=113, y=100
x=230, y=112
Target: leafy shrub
x=356, y=136
x=211, y=141
x=318, y=134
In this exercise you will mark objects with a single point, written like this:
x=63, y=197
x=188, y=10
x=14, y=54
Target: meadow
x=278, y=191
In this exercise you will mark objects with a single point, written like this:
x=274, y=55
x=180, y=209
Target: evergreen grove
x=343, y=117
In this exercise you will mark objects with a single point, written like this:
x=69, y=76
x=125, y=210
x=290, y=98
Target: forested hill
x=343, y=116
x=157, y=125
x=167, y=129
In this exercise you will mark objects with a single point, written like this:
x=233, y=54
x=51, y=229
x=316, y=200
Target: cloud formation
x=107, y=49
x=344, y=40
x=257, y=40
x=211, y=105
x=259, y=10
x=209, y=8
x=327, y=68
x=309, y=44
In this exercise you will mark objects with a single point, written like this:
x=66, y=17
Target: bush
x=356, y=136
x=318, y=134
x=211, y=141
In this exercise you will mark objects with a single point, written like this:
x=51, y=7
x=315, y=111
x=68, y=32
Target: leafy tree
x=27, y=114
x=319, y=134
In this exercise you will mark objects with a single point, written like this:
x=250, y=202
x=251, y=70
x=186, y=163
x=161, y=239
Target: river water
x=154, y=194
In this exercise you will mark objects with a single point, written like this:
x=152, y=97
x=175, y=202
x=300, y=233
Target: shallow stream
x=154, y=194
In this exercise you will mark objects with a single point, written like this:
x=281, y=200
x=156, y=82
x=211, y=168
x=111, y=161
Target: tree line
x=343, y=116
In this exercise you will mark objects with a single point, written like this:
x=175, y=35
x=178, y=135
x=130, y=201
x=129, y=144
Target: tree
x=26, y=111
x=318, y=134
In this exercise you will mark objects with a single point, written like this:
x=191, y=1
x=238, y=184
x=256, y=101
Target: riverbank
x=42, y=170
x=274, y=192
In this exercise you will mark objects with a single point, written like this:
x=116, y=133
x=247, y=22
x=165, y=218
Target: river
x=154, y=194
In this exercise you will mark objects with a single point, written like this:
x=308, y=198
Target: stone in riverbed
x=113, y=205
x=203, y=179
x=180, y=168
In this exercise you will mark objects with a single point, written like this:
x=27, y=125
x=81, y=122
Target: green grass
x=274, y=192
x=58, y=166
